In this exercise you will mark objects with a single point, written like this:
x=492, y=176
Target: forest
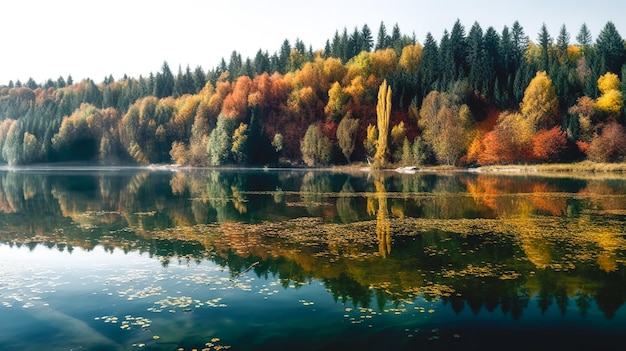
x=474, y=97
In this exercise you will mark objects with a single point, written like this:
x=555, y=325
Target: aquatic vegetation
x=347, y=252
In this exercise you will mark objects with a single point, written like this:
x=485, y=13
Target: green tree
x=164, y=84
x=545, y=42
x=520, y=41
x=367, y=41
x=383, y=40
x=315, y=147
x=583, y=38
x=429, y=67
x=220, y=141
x=562, y=43
x=610, y=48
x=346, y=135
x=445, y=126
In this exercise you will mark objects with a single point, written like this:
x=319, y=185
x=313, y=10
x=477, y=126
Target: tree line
x=472, y=98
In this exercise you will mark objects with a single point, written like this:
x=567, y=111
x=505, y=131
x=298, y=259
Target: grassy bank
x=578, y=167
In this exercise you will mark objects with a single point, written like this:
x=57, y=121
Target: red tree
x=548, y=145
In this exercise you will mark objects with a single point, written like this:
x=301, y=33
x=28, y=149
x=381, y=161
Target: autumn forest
x=473, y=97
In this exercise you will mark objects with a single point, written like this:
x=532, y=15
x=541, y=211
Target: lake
x=137, y=259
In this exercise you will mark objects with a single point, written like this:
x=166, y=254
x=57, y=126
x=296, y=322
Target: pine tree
x=545, y=41
x=367, y=41
x=610, y=48
x=584, y=37
x=383, y=39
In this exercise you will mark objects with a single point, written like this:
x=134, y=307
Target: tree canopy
x=476, y=96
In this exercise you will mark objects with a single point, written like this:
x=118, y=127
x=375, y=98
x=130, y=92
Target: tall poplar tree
x=383, y=115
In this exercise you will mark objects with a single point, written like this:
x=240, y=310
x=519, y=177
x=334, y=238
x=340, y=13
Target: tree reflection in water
x=472, y=241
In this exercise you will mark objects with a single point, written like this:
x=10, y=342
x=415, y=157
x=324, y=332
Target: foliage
x=549, y=145
x=610, y=102
x=609, y=145
x=346, y=135
x=398, y=136
x=277, y=142
x=315, y=147
x=370, y=140
x=220, y=141
x=448, y=91
x=239, y=148
x=383, y=114
x=446, y=126
x=540, y=104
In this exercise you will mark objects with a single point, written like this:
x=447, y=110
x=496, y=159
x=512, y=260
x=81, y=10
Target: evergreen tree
x=458, y=48
x=261, y=62
x=234, y=65
x=429, y=68
x=395, y=35
x=367, y=41
x=344, y=46
x=164, y=82
x=354, y=43
x=520, y=41
x=283, y=57
x=584, y=37
x=335, y=50
x=475, y=56
x=60, y=83
x=32, y=84
x=562, y=42
x=545, y=41
x=610, y=48
x=446, y=59
x=382, y=41
x=327, y=49
x=199, y=79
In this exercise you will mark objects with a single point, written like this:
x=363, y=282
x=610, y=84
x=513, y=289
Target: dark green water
x=130, y=259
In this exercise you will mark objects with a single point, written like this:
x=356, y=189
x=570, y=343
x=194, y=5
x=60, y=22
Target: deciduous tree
x=610, y=145
x=383, y=116
x=549, y=145
x=315, y=147
x=540, y=104
x=346, y=135
x=610, y=102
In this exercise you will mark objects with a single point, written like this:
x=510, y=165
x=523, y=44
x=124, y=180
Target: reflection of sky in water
x=104, y=300
x=99, y=300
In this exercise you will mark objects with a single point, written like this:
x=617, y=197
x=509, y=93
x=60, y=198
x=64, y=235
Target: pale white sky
x=50, y=38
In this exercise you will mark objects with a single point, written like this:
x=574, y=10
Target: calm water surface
x=131, y=259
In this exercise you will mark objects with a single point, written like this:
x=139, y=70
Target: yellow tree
x=610, y=101
x=336, y=101
x=410, y=58
x=383, y=114
x=370, y=140
x=540, y=105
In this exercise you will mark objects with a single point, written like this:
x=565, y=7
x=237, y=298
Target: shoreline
x=583, y=167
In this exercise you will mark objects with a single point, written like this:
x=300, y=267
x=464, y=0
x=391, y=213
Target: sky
x=46, y=39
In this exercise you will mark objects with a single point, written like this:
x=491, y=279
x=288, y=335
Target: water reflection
x=473, y=241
